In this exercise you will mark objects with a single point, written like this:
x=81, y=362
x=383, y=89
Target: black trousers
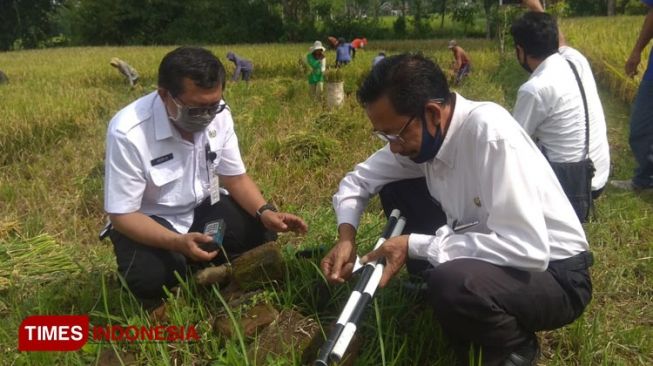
x=494, y=308
x=422, y=212
x=147, y=269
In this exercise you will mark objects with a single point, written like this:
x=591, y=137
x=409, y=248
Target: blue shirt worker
x=172, y=166
x=343, y=53
x=244, y=67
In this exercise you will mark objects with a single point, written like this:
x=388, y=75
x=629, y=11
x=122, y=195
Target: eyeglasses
x=200, y=111
x=395, y=137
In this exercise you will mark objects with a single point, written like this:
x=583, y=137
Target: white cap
x=453, y=43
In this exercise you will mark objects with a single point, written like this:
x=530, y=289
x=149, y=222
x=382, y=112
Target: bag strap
x=587, y=134
x=587, y=117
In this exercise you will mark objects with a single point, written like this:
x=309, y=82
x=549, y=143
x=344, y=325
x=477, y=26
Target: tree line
x=50, y=23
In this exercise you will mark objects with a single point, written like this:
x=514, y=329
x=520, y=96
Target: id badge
x=214, y=185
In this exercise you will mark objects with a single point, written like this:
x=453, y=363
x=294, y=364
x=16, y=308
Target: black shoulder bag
x=576, y=178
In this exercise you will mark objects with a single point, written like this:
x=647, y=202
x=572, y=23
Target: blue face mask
x=430, y=144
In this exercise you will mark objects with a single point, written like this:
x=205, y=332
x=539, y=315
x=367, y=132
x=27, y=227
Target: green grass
x=53, y=118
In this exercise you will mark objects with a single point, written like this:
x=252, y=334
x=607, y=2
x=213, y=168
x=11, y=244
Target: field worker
x=332, y=42
x=509, y=259
x=343, y=53
x=461, y=65
x=551, y=107
x=316, y=60
x=378, y=58
x=167, y=156
x=641, y=117
x=125, y=69
x=243, y=69
x=358, y=43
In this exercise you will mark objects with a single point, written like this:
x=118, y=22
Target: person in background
x=509, y=259
x=126, y=70
x=358, y=43
x=173, y=165
x=243, y=69
x=378, y=58
x=551, y=107
x=332, y=42
x=316, y=60
x=343, y=53
x=641, y=117
x=461, y=65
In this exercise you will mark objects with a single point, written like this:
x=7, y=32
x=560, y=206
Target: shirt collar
x=447, y=153
x=162, y=124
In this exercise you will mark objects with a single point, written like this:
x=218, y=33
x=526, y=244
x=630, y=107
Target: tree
x=487, y=7
x=464, y=12
x=25, y=24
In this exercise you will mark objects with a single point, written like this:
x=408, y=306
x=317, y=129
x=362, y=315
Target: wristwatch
x=265, y=207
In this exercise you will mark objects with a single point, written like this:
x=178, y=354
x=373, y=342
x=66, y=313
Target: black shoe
x=525, y=354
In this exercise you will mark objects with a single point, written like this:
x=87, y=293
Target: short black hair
x=409, y=81
x=536, y=33
x=195, y=63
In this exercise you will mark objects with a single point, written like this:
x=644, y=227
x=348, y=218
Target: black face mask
x=523, y=63
x=430, y=144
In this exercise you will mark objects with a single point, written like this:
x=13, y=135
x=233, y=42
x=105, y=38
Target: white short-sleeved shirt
x=487, y=170
x=150, y=168
x=550, y=108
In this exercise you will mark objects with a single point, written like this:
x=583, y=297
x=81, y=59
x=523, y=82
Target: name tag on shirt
x=161, y=159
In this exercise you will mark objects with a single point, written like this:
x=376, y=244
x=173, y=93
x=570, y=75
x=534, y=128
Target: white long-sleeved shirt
x=487, y=170
x=550, y=108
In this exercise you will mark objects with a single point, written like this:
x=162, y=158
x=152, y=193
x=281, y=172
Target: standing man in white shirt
x=521, y=267
x=171, y=158
x=550, y=105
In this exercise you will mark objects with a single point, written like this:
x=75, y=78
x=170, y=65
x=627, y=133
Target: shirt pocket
x=167, y=179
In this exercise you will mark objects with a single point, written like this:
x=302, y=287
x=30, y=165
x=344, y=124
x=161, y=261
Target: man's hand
x=187, y=244
x=395, y=251
x=338, y=264
x=632, y=63
x=282, y=222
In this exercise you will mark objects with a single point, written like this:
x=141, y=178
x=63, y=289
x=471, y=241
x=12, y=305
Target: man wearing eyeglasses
x=172, y=166
x=509, y=259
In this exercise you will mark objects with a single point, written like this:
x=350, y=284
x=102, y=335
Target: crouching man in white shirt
x=522, y=268
x=170, y=156
x=553, y=110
